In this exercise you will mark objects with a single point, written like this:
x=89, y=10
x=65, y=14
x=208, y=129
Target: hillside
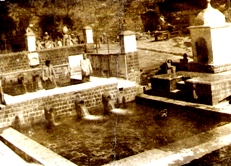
x=102, y=15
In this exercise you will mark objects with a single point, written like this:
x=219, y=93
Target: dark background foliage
x=102, y=15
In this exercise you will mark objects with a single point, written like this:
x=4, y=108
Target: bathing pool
x=87, y=142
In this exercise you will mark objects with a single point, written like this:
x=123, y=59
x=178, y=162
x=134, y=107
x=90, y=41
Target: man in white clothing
x=86, y=68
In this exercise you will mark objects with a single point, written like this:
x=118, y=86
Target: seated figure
x=169, y=68
x=39, y=44
x=21, y=81
x=164, y=25
x=48, y=75
x=184, y=62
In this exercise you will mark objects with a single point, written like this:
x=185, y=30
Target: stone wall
x=19, y=61
x=59, y=55
x=133, y=70
x=129, y=93
x=14, y=64
x=211, y=92
x=14, y=61
x=30, y=107
x=197, y=67
x=221, y=90
x=110, y=65
x=32, y=77
x=116, y=65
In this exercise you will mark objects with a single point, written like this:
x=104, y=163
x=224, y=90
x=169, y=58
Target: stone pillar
x=31, y=41
x=129, y=51
x=88, y=39
x=128, y=42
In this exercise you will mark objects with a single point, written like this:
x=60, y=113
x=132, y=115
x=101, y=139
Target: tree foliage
x=102, y=15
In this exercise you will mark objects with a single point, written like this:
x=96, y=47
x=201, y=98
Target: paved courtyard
x=153, y=53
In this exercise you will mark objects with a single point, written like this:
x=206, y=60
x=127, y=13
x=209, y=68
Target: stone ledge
x=172, y=102
x=8, y=157
x=30, y=148
x=45, y=93
x=32, y=70
x=169, y=155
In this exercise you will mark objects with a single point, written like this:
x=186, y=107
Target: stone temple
x=206, y=80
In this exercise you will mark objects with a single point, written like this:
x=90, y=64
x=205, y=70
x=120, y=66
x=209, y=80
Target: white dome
x=210, y=17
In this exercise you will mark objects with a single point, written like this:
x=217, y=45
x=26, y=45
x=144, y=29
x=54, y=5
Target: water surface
x=86, y=142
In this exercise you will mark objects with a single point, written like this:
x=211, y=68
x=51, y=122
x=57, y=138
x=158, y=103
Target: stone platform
x=209, y=68
x=195, y=87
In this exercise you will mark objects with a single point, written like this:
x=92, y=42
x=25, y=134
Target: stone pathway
x=175, y=46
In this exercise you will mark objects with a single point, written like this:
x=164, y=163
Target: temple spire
x=209, y=4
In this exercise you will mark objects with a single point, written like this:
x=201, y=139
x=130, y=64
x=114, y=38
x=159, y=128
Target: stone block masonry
x=124, y=65
x=128, y=90
x=212, y=90
x=14, y=64
x=112, y=65
x=10, y=80
x=29, y=107
x=59, y=55
x=19, y=61
x=133, y=70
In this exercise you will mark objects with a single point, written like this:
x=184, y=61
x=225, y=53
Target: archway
x=202, y=50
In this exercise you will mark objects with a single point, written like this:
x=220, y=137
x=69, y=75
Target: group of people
x=49, y=75
x=47, y=42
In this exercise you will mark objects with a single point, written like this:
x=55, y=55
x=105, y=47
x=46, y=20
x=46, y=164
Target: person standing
x=86, y=68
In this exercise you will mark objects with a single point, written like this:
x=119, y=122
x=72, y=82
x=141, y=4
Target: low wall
x=59, y=55
x=211, y=91
x=19, y=61
x=30, y=107
x=32, y=78
x=14, y=64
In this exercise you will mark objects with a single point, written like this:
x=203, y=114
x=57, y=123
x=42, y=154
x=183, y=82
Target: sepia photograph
x=115, y=82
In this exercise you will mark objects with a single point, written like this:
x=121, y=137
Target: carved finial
x=209, y=3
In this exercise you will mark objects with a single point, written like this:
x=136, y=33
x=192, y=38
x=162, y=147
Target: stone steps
x=180, y=85
x=177, y=94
